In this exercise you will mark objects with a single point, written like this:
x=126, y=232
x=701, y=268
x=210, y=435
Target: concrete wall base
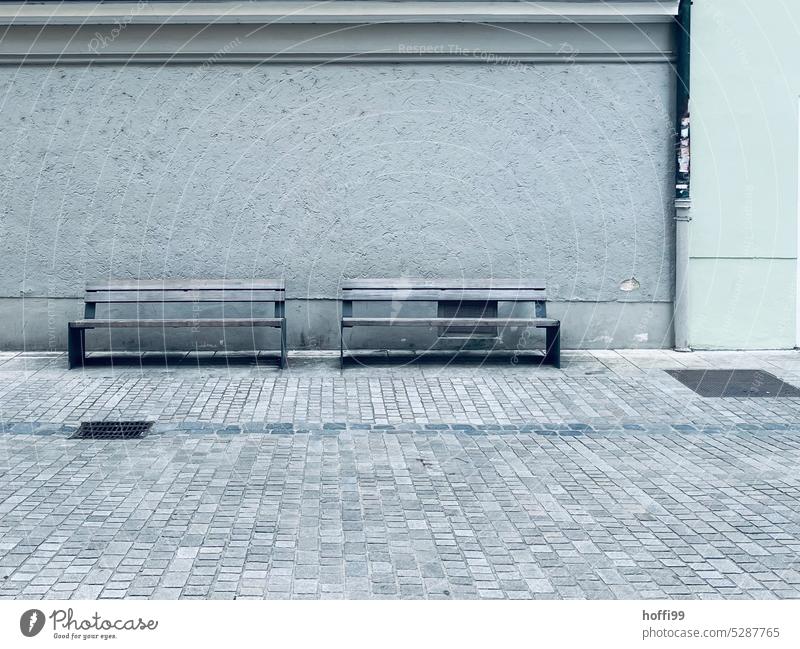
x=36, y=324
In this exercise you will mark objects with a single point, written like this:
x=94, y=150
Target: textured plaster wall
x=477, y=170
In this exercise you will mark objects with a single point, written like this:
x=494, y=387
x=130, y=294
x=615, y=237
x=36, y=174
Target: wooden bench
x=464, y=307
x=182, y=292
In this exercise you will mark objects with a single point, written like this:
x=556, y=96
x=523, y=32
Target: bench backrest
x=446, y=290
x=219, y=291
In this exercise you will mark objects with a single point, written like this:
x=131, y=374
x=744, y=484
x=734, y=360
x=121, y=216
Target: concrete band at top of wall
x=425, y=31
x=217, y=44
x=315, y=173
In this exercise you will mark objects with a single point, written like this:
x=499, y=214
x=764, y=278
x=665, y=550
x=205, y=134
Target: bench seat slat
x=435, y=295
x=184, y=284
x=412, y=284
x=193, y=295
x=175, y=322
x=449, y=322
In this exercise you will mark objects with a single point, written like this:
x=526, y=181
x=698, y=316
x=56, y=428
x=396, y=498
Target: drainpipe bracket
x=683, y=208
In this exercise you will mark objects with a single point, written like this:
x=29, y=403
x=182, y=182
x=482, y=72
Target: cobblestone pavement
x=607, y=479
x=379, y=513
x=593, y=387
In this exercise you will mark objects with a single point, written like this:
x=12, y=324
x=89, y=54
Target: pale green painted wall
x=727, y=293
x=745, y=98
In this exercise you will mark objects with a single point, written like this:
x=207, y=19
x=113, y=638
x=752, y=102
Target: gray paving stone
x=497, y=483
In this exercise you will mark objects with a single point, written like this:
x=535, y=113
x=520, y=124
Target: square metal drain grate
x=112, y=429
x=734, y=383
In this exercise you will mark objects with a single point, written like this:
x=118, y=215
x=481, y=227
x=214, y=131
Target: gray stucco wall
x=318, y=173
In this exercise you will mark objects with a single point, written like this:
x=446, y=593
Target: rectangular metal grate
x=735, y=383
x=112, y=429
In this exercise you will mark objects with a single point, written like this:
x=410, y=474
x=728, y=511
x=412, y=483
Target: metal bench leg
x=284, y=352
x=553, y=352
x=76, y=347
x=341, y=347
x=347, y=312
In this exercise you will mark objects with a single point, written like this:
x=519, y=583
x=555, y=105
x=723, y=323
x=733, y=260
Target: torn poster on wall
x=683, y=179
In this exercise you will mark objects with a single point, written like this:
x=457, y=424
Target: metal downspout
x=683, y=201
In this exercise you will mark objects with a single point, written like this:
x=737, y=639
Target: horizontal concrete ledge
x=486, y=43
x=330, y=59
x=109, y=13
